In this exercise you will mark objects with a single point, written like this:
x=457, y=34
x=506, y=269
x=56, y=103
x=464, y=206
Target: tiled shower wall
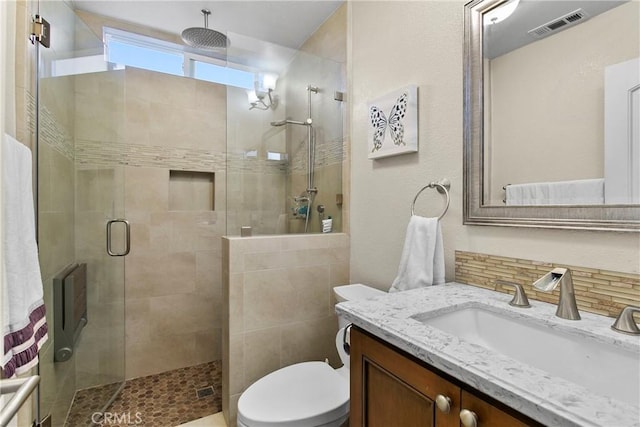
x=145, y=125
x=278, y=305
x=321, y=62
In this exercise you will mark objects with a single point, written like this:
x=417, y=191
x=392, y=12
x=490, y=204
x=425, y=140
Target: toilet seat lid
x=301, y=395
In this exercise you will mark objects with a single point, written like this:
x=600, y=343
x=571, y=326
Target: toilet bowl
x=308, y=394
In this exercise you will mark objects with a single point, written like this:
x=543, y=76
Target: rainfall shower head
x=204, y=38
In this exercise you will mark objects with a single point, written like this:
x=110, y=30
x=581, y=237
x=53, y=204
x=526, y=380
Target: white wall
x=395, y=43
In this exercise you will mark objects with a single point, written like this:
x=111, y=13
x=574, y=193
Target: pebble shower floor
x=167, y=399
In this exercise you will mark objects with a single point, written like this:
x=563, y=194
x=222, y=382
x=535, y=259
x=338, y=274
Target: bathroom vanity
x=459, y=355
x=398, y=389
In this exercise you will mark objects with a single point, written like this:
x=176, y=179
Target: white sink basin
x=605, y=369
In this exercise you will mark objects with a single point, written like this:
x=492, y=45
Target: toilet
x=308, y=394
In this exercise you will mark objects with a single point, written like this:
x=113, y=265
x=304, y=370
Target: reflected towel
x=578, y=192
x=23, y=312
x=422, y=260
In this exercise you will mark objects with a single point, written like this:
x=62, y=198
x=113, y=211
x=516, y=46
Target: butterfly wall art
x=393, y=123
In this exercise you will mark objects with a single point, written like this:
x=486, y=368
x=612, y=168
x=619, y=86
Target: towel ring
x=443, y=188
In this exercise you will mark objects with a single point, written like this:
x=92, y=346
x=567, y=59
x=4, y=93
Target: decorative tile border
x=327, y=153
x=52, y=132
x=597, y=291
x=89, y=154
x=99, y=153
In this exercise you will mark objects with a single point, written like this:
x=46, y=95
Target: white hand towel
x=23, y=312
x=578, y=192
x=422, y=260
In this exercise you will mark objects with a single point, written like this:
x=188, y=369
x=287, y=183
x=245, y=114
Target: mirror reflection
x=561, y=102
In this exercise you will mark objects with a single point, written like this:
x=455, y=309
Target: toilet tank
x=354, y=292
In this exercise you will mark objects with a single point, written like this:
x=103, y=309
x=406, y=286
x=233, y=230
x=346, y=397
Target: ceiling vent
x=560, y=23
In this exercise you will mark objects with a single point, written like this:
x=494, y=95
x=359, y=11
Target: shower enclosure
x=126, y=144
x=74, y=202
x=281, y=166
x=157, y=154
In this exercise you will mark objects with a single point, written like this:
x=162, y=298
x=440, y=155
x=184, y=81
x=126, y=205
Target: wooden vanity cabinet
x=390, y=388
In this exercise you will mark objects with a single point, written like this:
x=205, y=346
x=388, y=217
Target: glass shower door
x=81, y=188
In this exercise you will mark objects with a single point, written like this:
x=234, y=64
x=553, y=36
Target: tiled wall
x=321, y=62
x=597, y=291
x=145, y=125
x=278, y=305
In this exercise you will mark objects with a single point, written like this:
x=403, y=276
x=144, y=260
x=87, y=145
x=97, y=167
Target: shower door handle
x=127, y=228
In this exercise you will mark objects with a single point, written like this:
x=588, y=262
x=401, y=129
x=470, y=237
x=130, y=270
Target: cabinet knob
x=443, y=403
x=468, y=418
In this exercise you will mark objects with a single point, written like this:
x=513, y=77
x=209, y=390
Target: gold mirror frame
x=601, y=217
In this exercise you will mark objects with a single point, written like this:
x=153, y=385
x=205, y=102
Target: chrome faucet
x=567, y=307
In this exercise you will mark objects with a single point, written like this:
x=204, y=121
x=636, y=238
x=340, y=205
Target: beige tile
x=176, y=91
x=56, y=242
x=237, y=364
x=178, y=314
x=261, y=354
x=263, y=261
x=147, y=190
x=339, y=274
x=156, y=275
x=310, y=293
x=160, y=353
x=233, y=409
x=139, y=120
x=236, y=303
x=258, y=244
x=62, y=191
x=265, y=298
x=208, y=345
x=310, y=340
x=209, y=273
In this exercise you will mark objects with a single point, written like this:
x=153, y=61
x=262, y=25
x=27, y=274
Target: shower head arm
x=206, y=13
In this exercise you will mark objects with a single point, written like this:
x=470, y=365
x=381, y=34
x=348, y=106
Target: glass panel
x=77, y=196
x=223, y=75
x=268, y=160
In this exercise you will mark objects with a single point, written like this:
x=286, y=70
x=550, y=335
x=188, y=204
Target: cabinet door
x=390, y=389
x=488, y=415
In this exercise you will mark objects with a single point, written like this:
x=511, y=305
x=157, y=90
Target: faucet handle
x=520, y=297
x=625, y=322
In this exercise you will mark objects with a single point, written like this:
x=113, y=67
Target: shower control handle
x=127, y=228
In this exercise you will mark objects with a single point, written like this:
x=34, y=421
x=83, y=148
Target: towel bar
x=443, y=187
x=22, y=388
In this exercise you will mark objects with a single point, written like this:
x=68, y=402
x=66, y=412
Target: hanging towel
x=23, y=312
x=422, y=260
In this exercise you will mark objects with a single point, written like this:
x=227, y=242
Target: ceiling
x=512, y=33
x=285, y=23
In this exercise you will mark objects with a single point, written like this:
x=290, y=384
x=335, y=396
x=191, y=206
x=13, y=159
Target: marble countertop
x=545, y=398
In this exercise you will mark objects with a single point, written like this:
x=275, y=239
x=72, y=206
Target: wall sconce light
x=500, y=13
x=262, y=97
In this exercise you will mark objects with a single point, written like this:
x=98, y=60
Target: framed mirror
x=552, y=114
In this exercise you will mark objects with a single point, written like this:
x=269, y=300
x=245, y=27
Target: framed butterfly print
x=393, y=123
